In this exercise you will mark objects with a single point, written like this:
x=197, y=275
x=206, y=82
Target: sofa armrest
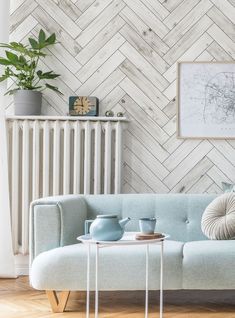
x=56, y=221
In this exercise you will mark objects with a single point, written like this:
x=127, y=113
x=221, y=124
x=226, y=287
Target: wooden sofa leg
x=58, y=303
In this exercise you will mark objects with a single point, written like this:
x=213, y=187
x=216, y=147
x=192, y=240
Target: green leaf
x=41, y=37
x=5, y=61
x=4, y=77
x=47, y=75
x=51, y=40
x=22, y=59
x=34, y=43
x=54, y=88
x=12, y=57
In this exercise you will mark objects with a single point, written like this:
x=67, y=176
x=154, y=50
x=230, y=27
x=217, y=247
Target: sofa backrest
x=177, y=214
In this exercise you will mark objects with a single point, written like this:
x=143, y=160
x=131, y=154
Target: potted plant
x=21, y=66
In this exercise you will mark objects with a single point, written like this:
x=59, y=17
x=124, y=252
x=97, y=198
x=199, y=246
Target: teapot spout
x=123, y=222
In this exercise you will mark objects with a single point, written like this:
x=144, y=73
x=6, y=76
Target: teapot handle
x=87, y=226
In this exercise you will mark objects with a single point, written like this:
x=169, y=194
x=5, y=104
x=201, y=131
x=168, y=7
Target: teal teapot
x=107, y=228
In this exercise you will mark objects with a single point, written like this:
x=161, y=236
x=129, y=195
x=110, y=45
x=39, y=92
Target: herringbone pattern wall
x=125, y=53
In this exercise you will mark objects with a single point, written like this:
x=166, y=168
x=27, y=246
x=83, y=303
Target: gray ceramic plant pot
x=27, y=102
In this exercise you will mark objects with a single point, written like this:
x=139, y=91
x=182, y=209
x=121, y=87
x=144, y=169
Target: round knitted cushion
x=218, y=220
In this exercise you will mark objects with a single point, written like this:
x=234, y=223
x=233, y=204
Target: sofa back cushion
x=177, y=214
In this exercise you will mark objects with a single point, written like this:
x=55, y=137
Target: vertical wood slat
x=66, y=168
x=97, y=159
x=46, y=159
x=56, y=159
x=25, y=187
x=87, y=158
x=107, y=159
x=15, y=184
x=77, y=158
x=118, y=158
x=36, y=159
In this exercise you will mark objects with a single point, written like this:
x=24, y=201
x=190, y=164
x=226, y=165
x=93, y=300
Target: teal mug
x=147, y=225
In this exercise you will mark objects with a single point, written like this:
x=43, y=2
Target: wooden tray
x=142, y=236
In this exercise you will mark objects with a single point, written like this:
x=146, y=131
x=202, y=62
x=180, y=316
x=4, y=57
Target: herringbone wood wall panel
x=125, y=53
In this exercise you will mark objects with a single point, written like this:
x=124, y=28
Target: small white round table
x=127, y=239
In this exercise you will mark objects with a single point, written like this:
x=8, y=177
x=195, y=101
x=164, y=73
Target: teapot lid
x=107, y=216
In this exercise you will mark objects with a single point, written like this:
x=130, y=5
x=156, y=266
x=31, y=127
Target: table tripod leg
x=96, y=281
x=88, y=282
x=161, y=282
x=147, y=282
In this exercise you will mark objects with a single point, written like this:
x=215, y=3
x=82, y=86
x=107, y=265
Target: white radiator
x=51, y=156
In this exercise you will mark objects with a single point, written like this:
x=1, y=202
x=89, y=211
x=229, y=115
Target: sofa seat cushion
x=120, y=268
x=209, y=265
x=218, y=220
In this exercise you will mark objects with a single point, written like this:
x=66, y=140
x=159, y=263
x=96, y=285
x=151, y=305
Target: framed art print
x=206, y=100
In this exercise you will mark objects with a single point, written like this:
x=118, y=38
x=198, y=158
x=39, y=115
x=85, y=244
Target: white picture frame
x=206, y=100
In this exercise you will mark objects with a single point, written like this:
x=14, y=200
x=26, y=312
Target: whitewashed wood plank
x=50, y=25
x=222, y=21
x=84, y=5
x=18, y=16
x=144, y=31
x=187, y=22
x=187, y=164
x=146, y=51
x=144, y=102
x=218, y=52
x=14, y=5
x=171, y=4
x=136, y=182
x=172, y=144
x=143, y=83
x=193, y=176
x=201, y=185
x=100, y=22
x=23, y=29
x=100, y=57
x=218, y=35
x=170, y=127
x=57, y=14
x=220, y=161
x=144, y=155
x=218, y=176
x=214, y=189
x=188, y=39
x=92, y=12
x=157, y=8
x=100, y=40
x=180, y=153
x=190, y=55
x=180, y=11
x=111, y=99
x=226, y=7
x=225, y=148
x=101, y=74
x=142, y=170
x=108, y=84
x=147, y=140
x=204, y=56
x=144, y=120
x=69, y=8
x=144, y=66
x=148, y=17
x=170, y=92
x=170, y=109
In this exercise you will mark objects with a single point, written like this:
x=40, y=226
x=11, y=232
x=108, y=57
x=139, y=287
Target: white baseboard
x=22, y=264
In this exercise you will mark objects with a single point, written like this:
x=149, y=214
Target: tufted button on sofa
x=191, y=261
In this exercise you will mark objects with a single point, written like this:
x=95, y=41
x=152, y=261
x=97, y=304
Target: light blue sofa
x=191, y=261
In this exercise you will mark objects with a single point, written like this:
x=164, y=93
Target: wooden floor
x=18, y=300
